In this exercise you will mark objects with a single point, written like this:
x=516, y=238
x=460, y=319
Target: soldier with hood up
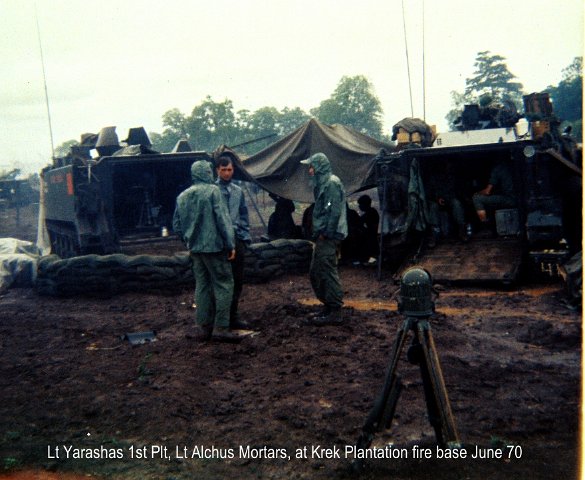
x=202, y=222
x=328, y=230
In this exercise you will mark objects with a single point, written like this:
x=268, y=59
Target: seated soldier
x=280, y=222
x=369, y=222
x=499, y=192
x=443, y=194
x=350, y=245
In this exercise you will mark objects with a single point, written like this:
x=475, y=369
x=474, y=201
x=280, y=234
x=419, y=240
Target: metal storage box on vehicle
x=507, y=222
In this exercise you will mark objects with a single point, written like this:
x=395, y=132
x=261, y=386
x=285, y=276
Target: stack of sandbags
x=17, y=270
x=269, y=260
x=111, y=274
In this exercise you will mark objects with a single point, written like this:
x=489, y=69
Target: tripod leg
x=390, y=407
x=438, y=391
x=416, y=355
x=383, y=410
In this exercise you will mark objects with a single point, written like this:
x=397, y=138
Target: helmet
x=416, y=293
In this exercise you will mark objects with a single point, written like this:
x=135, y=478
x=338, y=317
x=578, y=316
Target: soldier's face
x=311, y=171
x=226, y=172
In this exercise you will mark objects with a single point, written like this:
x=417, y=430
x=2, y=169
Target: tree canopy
x=492, y=78
x=211, y=123
x=354, y=104
x=491, y=83
x=567, y=96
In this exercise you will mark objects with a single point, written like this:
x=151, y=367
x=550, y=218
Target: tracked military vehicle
x=128, y=191
x=539, y=232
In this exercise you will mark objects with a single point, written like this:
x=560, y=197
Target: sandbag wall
x=112, y=274
x=272, y=259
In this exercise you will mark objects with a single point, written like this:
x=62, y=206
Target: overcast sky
x=125, y=63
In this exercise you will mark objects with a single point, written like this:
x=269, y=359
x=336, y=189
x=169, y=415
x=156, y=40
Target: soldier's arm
x=335, y=202
x=243, y=214
x=223, y=221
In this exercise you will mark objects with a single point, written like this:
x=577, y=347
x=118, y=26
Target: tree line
x=493, y=84
x=210, y=124
x=353, y=103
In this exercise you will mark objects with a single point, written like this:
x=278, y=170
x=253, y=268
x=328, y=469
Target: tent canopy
x=277, y=168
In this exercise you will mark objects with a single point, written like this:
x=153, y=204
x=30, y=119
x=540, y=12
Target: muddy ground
x=70, y=382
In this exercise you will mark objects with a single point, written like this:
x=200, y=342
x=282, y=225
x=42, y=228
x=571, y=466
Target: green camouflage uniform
x=503, y=192
x=202, y=222
x=442, y=185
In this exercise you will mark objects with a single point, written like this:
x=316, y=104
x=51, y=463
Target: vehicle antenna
x=423, y=64
x=45, y=84
x=407, y=60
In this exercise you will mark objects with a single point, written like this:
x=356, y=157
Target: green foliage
x=212, y=124
x=492, y=83
x=567, y=96
x=459, y=100
x=63, y=149
x=354, y=104
x=164, y=142
x=492, y=77
x=290, y=119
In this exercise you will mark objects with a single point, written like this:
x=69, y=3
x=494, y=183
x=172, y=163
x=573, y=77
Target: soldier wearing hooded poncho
x=202, y=222
x=329, y=229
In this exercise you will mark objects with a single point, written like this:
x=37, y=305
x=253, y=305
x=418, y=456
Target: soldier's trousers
x=482, y=202
x=238, y=274
x=323, y=273
x=454, y=208
x=214, y=287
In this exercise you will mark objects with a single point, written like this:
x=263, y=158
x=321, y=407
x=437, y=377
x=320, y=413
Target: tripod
x=423, y=353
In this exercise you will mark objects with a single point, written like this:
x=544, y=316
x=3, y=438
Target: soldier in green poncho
x=202, y=222
x=329, y=228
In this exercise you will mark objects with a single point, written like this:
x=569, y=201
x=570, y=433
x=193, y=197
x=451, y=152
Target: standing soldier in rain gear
x=238, y=213
x=328, y=230
x=202, y=222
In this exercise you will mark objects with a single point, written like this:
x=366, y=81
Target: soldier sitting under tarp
x=370, y=220
x=281, y=223
x=351, y=245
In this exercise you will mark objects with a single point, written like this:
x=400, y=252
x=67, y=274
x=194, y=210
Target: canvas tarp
x=277, y=168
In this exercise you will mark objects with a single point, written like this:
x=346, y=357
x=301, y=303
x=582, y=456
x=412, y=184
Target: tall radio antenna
x=45, y=83
x=407, y=60
x=423, y=64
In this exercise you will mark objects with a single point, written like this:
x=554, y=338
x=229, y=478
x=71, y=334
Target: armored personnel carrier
x=538, y=232
x=128, y=191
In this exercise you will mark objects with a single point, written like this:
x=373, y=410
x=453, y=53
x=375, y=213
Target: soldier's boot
x=334, y=317
x=325, y=309
x=462, y=233
x=225, y=335
x=432, y=238
x=203, y=332
x=237, y=323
